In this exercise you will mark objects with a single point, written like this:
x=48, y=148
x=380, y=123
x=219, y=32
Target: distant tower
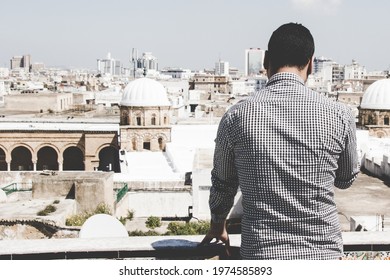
x=222, y=68
x=134, y=59
x=254, y=59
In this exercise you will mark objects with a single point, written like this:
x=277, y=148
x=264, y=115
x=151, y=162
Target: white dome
x=377, y=96
x=102, y=225
x=145, y=92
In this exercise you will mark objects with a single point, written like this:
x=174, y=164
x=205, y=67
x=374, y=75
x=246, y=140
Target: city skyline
x=187, y=34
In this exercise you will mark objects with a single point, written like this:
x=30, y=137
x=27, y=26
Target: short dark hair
x=290, y=45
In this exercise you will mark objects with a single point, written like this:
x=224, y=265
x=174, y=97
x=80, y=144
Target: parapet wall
x=379, y=168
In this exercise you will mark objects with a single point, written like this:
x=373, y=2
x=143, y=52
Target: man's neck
x=295, y=70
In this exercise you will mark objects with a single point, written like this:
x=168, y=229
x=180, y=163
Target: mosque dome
x=377, y=96
x=145, y=92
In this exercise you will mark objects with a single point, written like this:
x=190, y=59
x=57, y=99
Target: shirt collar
x=285, y=76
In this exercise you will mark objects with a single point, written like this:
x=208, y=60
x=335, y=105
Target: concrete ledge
x=161, y=247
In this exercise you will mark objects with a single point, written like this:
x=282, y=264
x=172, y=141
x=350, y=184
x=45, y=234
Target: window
x=153, y=121
x=386, y=121
x=138, y=121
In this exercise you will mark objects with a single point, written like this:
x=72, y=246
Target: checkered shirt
x=285, y=148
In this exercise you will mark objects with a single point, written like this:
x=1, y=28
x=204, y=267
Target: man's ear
x=266, y=60
x=310, y=66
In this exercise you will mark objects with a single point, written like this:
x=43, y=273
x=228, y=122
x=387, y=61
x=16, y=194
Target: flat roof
x=58, y=125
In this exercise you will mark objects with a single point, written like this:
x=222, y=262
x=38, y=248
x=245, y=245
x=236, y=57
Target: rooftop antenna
x=134, y=57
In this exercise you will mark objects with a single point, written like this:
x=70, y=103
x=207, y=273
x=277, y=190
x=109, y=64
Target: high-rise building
x=319, y=63
x=254, y=59
x=17, y=62
x=109, y=65
x=222, y=68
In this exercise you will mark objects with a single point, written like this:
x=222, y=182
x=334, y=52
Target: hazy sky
x=188, y=33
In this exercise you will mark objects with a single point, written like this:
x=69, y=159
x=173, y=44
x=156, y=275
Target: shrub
x=48, y=209
x=192, y=228
x=129, y=216
x=79, y=219
x=143, y=233
x=153, y=222
x=56, y=201
x=102, y=209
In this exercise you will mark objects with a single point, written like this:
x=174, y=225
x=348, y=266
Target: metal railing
x=121, y=192
x=17, y=187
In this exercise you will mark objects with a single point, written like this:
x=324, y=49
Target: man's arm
x=224, y=185
x=348, y=163
x=224, y=175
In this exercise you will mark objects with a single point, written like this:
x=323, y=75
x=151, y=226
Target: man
x=285, y=147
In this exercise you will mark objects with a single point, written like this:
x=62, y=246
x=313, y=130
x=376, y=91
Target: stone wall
x=88, y=188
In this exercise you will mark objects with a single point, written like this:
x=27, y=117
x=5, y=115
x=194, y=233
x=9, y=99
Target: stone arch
x=22, y=158
x=161, y=140
x=3, y=159
x=124, y=117
x=133, y=143
x=40, y=146
x=371, y=119
x=153, y=119
x=47, y=158
x=138, y=118
x=380, y=134
x=108, y=156
x=165, y=119
x=147, y=141
x=73, y=158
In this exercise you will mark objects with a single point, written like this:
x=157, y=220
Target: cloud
x=326, y=6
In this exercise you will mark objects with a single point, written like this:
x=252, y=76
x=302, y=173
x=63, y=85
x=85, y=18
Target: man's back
x=286, y=147
x=287, y=142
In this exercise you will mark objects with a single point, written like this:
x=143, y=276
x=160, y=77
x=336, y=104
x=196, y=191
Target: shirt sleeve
x=224, y=175
x=348, y=163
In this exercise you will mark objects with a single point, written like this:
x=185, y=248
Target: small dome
x=377, y=96
x=102, y=225
x=145, y=92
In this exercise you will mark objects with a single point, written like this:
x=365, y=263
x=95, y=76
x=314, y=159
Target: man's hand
x=217, y=231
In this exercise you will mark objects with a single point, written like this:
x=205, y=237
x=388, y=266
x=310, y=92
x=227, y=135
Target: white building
x=109, y=65
x=4, y=72
x=109, y=97
x=222, y=68
x=319, y=63
x=177, y=73
x=354, y=71
x=254, y=59
x=147, y=62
